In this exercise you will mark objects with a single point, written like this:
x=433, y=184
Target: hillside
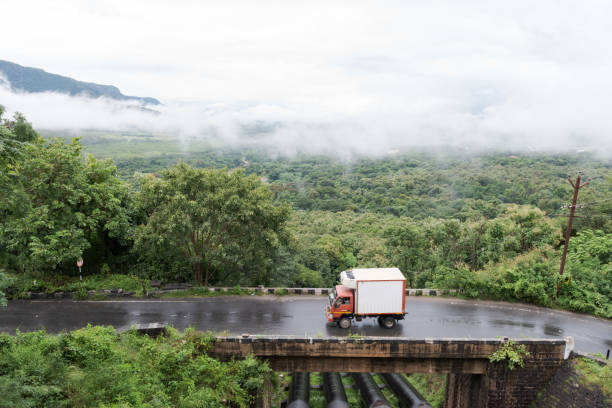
x=32, y=80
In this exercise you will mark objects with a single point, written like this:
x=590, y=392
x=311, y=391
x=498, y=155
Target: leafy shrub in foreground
x=96, y=367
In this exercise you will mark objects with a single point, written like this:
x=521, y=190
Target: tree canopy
x=219, y=220
x=489, y=224
x=55, y=200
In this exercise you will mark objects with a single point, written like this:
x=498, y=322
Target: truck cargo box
x=377, y=290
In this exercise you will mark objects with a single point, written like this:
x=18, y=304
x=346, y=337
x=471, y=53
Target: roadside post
x=79, y=264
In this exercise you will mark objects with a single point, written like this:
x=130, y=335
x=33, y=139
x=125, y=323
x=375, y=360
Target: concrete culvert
x=299, y=391
x=334, y=391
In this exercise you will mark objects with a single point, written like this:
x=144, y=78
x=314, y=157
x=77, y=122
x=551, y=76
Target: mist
x=548, y=124
x=330, y=77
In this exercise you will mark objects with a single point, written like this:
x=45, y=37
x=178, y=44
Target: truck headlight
x=331, y=316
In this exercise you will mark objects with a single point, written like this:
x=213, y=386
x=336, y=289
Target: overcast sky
x=536, y=72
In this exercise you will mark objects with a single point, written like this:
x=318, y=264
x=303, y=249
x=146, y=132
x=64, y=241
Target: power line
x=594, y=202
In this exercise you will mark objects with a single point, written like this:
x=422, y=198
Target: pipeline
x=334, y=391
x=299, y=391
x=405, y=392
x=370, y=393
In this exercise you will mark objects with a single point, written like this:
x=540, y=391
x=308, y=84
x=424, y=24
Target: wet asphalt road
x=428, y=317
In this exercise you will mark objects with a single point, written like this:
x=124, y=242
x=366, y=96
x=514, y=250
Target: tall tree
x=218, y=219
x=409, y=249
x=55, y=199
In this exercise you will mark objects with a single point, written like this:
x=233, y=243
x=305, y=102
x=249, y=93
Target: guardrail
x=298, y=291
x=177, y=287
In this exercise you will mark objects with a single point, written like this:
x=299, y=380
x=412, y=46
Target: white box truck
x=375, y=292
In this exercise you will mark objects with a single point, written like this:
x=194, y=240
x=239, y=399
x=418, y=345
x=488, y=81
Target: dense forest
x=489, y=223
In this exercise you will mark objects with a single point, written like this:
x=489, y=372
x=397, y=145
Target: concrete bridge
x=472, y=381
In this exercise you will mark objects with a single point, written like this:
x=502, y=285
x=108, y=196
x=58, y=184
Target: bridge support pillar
x=499, y=386
x=264, y=396
x=466, y=391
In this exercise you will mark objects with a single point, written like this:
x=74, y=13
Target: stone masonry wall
x=502, y=387
x=518, y=388
x=566, y=390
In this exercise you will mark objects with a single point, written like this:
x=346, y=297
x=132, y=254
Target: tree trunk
x=198, y=274
x=206, y=276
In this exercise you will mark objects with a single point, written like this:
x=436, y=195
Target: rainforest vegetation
x=98, y=367
x=138, y=208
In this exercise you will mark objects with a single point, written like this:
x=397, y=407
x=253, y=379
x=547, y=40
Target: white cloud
x=365, y=76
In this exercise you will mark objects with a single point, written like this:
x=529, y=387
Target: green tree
x=4, y=282
x=216, y=218
x=11, y=150
x=56, y=200
x=409, y=249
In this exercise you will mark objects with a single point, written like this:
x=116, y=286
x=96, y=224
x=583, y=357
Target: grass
x=431, y=386
x=201, y=291
x=387, y=392
x=596, y=375
x=21, y=284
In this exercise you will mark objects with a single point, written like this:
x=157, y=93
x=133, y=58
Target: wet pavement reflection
x=427, y=317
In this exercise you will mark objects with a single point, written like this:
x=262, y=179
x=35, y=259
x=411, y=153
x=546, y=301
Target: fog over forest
x=328, y=77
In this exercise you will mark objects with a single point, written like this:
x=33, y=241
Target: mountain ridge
x=33, y=80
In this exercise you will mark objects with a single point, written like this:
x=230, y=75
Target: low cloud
x=329, y=77
x=488, y=119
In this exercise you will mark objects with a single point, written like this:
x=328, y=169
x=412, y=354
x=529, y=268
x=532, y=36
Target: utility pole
x=568, y=233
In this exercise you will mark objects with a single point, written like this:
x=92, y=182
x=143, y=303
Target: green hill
x=31, y=80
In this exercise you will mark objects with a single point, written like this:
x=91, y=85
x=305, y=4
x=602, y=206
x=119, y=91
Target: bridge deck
x=381, y=354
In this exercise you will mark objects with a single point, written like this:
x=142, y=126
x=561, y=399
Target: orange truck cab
x=375, y=292
x=340, y=303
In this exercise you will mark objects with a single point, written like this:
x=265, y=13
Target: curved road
x=304, y=315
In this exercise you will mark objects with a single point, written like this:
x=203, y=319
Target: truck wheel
x=388, y=322
x=344, y=323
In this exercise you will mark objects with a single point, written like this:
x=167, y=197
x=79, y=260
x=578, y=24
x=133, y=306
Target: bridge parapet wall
x=472, y=380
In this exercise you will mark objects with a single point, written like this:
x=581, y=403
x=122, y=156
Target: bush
x=25, y=283
x=79, y=292
x=95, y=366
x=307, y=278
x=510, y=352
x=4, y=283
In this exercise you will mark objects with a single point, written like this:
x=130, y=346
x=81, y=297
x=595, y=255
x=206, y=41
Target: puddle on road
x=501, y=323
x=550, y=330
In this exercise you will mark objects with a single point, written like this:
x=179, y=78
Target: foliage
x=56, y=203
x=596, y=375
x=587, y=287
x=432, y=386
x=484, y=223
x=512, y=353
x=418, y=184
x=205, y=292
x=61, y=283
x=332, y=242
x=531, y=278
x=95, y=367
x=307, y=278
x=219, y=220
x=4, y=283
x=421, y=247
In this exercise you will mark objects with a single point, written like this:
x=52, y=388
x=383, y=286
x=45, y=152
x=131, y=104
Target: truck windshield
x=331, y=299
